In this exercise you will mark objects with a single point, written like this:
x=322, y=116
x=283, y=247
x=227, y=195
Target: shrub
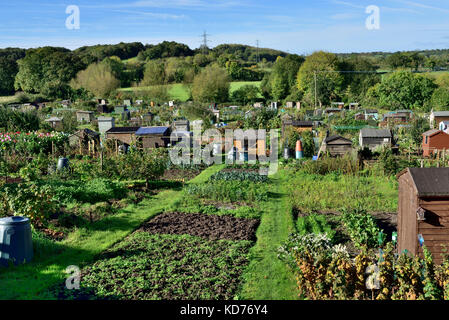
x=362, y=228
x=32, y=200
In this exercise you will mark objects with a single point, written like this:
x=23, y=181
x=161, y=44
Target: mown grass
x=30, y=281
x=267, y=277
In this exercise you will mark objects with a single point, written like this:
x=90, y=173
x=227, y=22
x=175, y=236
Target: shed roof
x=122, y=130
x=375, y=133
x=337, y=137
x=53, y=119
x=441, y=113
x=86, y=132
x=84, y=111
x=429, y=181
x=432, y=132
x=151, y=130
x=105, y=118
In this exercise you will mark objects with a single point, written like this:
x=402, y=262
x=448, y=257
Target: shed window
x=426, y=140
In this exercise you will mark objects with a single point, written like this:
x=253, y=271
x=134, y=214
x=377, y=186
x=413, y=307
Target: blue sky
x=296, y=26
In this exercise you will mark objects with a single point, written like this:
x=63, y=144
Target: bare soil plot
x=210, y=227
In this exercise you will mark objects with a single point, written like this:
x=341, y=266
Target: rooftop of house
x=429, y=181
x=375, y=133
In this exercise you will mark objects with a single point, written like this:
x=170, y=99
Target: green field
x=180, y=92
x=8, y=99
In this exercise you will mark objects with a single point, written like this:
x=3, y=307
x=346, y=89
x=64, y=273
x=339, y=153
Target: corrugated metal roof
x=151, y=130
x=375, y=133
x=431, y=181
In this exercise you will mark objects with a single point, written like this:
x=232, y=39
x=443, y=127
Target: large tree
x=282, y=79
x=211, y=85
x=8, y=71
x=98, y=78
x=154, y=73
x=405, y=90
x=360, y=75
x=47, y=71
x=323, y=66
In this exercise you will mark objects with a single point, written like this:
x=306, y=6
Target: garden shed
x=127, y=135
x=373, y=138
x=423, y=210
x=55, y=122
x=337, y=145
x=105, y=123
x=153, y=137
x=298, y=125
x=85, y=116
x=433, y=141
x=437, y=116
x=85, y=139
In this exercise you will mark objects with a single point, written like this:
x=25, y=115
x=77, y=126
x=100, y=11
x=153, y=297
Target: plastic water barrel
x=15, y=241
x=63, y=163
x=299, y=153
x=286, y=153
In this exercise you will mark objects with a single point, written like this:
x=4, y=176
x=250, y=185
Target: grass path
x=31, y=280
x=268, y=278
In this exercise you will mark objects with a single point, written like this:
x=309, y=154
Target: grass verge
x=267, y=277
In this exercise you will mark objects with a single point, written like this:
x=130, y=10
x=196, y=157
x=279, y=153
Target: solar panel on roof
x=151, y=130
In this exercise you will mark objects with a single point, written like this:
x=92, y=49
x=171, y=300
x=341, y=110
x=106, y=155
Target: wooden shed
x=337, y=145
x=437, y=116
x=423, y=209
x=434, y=141
x=85, y=140
x=126, y=135
x=85, y=116
x=153, y=137
x=373, y=138
x=297, y=125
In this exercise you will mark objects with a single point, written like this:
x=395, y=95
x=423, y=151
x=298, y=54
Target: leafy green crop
x=362, y=227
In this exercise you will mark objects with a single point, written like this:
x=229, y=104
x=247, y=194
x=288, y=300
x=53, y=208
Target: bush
x=31, y=200
x=362, y=228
